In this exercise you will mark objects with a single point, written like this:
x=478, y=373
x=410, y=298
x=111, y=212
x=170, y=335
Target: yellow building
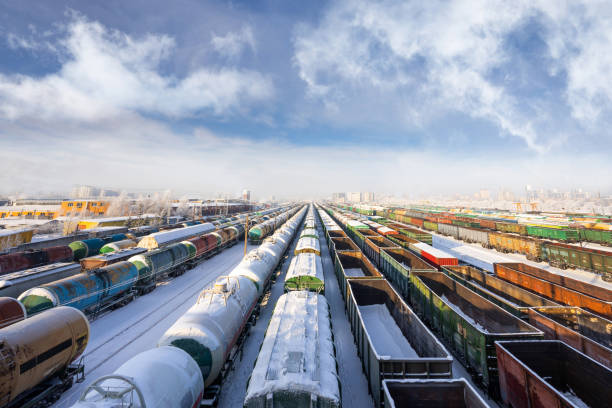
x=93, y=207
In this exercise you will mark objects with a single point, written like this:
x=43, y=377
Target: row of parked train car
x=296, y=365
x=557, y=254
x=44, y=346
x=82, y=248
x=528, y=336
x=197, y=351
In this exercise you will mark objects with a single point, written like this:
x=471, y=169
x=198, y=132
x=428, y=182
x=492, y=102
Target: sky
x=305, y=98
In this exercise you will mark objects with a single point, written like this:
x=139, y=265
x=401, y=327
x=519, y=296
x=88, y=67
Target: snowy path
x=354, y=384
x=121, y=334
x=234, y=387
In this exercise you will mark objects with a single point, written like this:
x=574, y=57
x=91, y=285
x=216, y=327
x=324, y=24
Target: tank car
x=158, y=378
x=88, y=291
x=11, y=311
x=37, y=356
x=15, y=283
x=86, y=247
x=117, y=246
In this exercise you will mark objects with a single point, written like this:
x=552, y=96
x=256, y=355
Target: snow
x=479, y=257
x=297, y=352
x=578, y=274
x=437, y=253
x=574, y=399
x=308, y=244
x=354, y=383
x=305, y=264
x=167, y=237
x=354, y=272
x=235, y=384
x=461, y=313
x=121, y=334
x=386, y=336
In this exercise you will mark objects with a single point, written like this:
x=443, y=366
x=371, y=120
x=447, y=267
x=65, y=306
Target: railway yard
x=312, y=305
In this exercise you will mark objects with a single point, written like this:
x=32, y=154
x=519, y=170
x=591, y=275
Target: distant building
x=368, y=197
x=94, y=207
x=83, y=191
x=339, y=197
x=354, y=197
x=246, y=195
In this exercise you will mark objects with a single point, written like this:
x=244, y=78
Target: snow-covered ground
x=121, y=334
x=354, y=383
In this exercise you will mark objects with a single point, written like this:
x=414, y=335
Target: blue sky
x=305, y=98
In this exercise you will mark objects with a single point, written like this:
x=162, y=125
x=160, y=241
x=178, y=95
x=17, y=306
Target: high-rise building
x=246, y=195
x=339, y=197
x=353, y=197
x=367, y=196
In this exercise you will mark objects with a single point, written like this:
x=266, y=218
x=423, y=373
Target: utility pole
x=246, y=233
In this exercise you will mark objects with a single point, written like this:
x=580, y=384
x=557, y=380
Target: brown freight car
x=553, y=291
x=11, y=311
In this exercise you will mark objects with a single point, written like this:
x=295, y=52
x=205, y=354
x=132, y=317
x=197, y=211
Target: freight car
x=374, y=246
x=431, y=393
x=212, y=329
x=391, y=340
x=286, y=372
x=14, y=284
x=305, y=273
x=108, y=258
x=308, y=245
x=468, y=323
x=90, y=291
x=550, y=373
x=552, y=291
x=18, y=261
x=512, y=298
x=11, y=311
x=353, y=265
x=38, y=356
x=92, y=246
x=164, y=238
x=116, y=246
x=397, y=263
x=578, y=328
x=158, y=378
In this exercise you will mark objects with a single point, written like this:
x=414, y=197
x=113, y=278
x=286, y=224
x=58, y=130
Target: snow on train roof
x=166, y=237
x=307, y=244
x=297, y=354
x=432, y=251
x=39, y=271
x=305, y=264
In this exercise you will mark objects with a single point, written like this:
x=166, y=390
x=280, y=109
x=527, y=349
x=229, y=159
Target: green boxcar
x=432, y=226
x=418, y=235
x=467, y=322
x=593, y=235
x=511, y=227
x=571, y=256
x=567, y=235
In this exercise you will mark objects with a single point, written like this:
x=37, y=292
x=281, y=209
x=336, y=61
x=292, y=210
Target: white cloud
x=433, y=57
x=105, y=71
x=233, y=44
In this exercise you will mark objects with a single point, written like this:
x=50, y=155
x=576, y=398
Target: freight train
x=185, y=361
x=96, y=290
x=508, y=237
x=476, y=313
x=51, y=368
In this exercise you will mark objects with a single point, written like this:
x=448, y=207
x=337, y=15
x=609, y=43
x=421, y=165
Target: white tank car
x=158, y=378
x=208, y=330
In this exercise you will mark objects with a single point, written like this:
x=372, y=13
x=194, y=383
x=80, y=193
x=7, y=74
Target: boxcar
x=550, y=373
x=515, y=243
x=473, y=235
x=449, y=230
x=469, y=323
x=580, y=329
x=603, y=237
x=565, y=255
x=456, y=393
x=391, y=340
x=432, y=226
x=565, y=234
